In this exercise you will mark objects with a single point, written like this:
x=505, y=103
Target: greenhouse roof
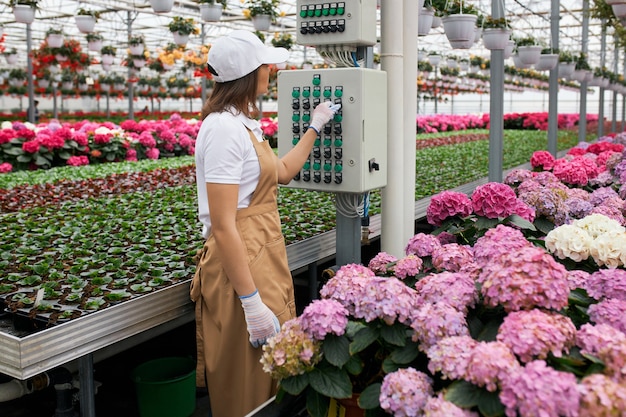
x=117, y=16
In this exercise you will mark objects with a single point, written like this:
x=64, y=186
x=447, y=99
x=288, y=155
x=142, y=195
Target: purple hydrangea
x=447, y=204
x=433, y=322
x=382, y=263
x=450, y=356
x=548, y=202
x=404, y=393
x=490, y=364
x=322, y=317
x=598, y=196
x=533, y=334
x=523, y=279
x=422, y=245
x=610, y=212
x=610, y=311
x=451, y=257
x=497, y=241
x=537, y=390
x=439, y=407
x=600, y=396
x=445, y=238
x=577, y=208
x=455, y=288
x=494, y=200
x=517, y=176
x=603, y=179
x=607, y=283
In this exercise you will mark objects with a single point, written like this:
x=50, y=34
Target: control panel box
x=349, y=22
x=350, y=153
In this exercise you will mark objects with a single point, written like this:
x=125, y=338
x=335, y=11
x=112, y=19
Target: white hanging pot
x=11, y=59
x=24, y=13
x=85, y=23
x=139, y=63
x=14, y=82
x=55, y=40
x=519, y=63
x=94, y=46
x=566, y=69
x=211, y=12
x=43, y=83
x=434, y=60
x=106, y=66
x=67, y=85
x=462, y=44
x=547, y=62
x=577, y=75
x=83, y=87
x=261, y=22
x=136, y=49
x=459, y=28
x=54, y=69
x=478, y=33
x=495, y=38
x=180, y=39
x=424, y=21
x=107, y=59
x=162, y=6
x=530, y=54
x=436, y=22
x=508, y=49
x=619, y=9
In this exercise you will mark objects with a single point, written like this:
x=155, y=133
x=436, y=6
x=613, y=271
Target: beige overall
x=234, y=375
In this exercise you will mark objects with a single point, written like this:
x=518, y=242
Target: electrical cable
x=349, y=205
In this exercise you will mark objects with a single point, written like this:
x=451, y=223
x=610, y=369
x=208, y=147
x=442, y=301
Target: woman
x=243, y=287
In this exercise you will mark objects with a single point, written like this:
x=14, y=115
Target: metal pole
x=435, y=90
x=29, y=73
x=602, y=65
x=615, y=69
x=131, y=111
x=582, y=122
x=87, y=391
x=496, y=104
x=553, y=89
x=203, y=92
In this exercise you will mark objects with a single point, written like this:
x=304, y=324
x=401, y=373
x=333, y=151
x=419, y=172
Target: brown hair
x=240, y=94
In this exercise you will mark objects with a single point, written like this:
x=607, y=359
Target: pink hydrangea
x=439, y=407
x=409, y=266
x=607, y=283
x=422, y=245
x=494, y=200
x=542, y=160
x=577, y=278
x=534, y=334
x=433, y=322
x=607, y=343
x=490, y=364
x=31, y=146
x=610, y=311
x=152, y=153
x=448, y=204
x=404, y=393
x=536, y=390
x=517, y=176
x=455, y=288
x=451, y=257
x=78, y=160
x=323, y=317
x=600, y=396
x=450, y=356
x=382, y=263
x=523, y=279
x=497, y=241
x=5, y=167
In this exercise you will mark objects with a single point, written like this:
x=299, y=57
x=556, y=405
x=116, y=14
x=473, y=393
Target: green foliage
x=491, y=23
x=184, y=26
x=108, y=50
x=268, y=7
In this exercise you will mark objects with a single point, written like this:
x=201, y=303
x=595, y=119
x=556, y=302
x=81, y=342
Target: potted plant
x=11, y=56
x=262, y=13
x=566, y=64
x=528, y=50
x=54, y=37
x=86, y=20
x=136, y=43
x=162, y=6
x=548, y=60
x=17, y=77
x=459, y=24
x=211, y=10
x=94, y=41
x=425, y=19
x=108, y=53
x=582, y=71
x=24, y=10
x=282, y=40
x=496, y=33
x=181, y=28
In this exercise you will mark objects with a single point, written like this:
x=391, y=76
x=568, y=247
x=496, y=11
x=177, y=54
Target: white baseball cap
x=239, y=53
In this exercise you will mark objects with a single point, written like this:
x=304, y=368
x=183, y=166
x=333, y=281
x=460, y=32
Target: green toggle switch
x=338, y=93
x=318, y=12
x=338, y=143
x=306, y=93
x=327, y=167
x=340, y=11
x=327, y=141
x=307, y=165
x=295, y=117
x=317, y=142
x=305, y=117
x=316, y=93
x=316, y=81
x=317, y=166
x=338, y=168
x=303, y=13
x=325, y=12
x=295, y=141
x=311, y=13
x=332, y=11
x=338, y=118
x=295, y=93
x=327, y=93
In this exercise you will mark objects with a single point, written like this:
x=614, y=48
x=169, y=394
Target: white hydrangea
x=598, y=224
x=609, y=249
x=569, y=241
x=6, y=125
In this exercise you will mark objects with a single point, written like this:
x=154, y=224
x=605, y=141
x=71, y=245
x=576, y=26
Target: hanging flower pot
x=496, y=39
x=55, y=40
x=105, y=66
x=24, y=13
x=619, y=9
x=85, y=23
x=16, y=82
x=107, y=59
x=180, y=39
x=211, y=12
x=508, y=49
x=83, y=87
x=162, y=6
x=94, y=45
x=261, y=22
x=60, y=58
x=43, y=83
x=54, y=69
x=478, y=33
x=67, y=85
x=136, y=49
x=424, y=21
x=519, y=63
x=459, y=28
x=139, y=63
x=566, y=69
x=547, y=62
x=529, y=54
x=11, y=59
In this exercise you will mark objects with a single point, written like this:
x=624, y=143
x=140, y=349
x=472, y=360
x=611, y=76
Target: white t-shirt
x=225, y=155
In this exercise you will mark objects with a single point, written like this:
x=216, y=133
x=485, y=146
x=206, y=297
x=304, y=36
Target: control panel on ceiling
x=350, y=153
x=350, y=22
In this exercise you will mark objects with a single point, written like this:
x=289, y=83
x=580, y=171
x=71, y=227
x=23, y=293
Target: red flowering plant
x=75, y=60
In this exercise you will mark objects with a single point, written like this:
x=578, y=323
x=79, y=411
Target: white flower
x=569, y=241
x=598, y=224
x=609, y=249
x=102, y=131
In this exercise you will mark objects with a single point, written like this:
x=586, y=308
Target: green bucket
x=166, y=387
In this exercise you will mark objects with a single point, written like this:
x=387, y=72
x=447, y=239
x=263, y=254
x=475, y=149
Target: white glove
x=262, y=323
x=322, y=115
